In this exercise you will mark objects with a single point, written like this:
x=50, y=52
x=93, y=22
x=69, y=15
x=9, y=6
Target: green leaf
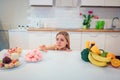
x=84, y=15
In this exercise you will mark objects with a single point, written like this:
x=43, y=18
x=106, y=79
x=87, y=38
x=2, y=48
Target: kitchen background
x=19, y=12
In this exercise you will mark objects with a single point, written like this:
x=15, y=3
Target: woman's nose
x=58, y=42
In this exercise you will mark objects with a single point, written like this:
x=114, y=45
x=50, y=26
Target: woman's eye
x=57, y=39
x=62, y=40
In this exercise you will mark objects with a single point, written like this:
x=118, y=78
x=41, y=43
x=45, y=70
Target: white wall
x=18, y=12
x=13, y=13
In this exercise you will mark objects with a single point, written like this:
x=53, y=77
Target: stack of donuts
x=33, y=56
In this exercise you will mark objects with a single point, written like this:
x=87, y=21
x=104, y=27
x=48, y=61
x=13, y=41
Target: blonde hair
x=66, y=35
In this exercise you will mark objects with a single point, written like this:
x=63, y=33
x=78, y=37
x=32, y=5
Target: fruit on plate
x=6, y=60
x=14, y=56
x=84, y=54
x=96, y=62
x=11, y=61
x=0, y=61
x=110, y=55
x=100, y=58
x=103, y=53
x=19, y=50
x=15, y=50
x=1, y=64
x=17, y=63
x=115, y=63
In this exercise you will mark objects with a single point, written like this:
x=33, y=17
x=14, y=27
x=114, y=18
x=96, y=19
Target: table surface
x=59, y=65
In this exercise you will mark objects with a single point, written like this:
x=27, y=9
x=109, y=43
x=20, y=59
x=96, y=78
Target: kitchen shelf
x=72, y=30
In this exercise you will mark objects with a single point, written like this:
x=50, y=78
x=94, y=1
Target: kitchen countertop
x=59, y=65
x=72, y=30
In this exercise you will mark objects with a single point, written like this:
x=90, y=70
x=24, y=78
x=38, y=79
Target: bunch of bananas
x=94, y=56
x=98, y=60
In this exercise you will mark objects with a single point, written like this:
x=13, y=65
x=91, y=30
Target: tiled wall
x=18, y=12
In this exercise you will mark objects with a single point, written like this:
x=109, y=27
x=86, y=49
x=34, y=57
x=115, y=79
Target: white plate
x=21, y=63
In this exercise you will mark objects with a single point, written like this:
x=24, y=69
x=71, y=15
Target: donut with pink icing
x=33, y=56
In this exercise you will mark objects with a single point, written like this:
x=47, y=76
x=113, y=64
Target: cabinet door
x=112, y=2
x=112, y=43
x=75, y=40
x=66, y=3
x=41, y=2
x=18, y=39
x=53, y=38
x=97, y=37
x=39, y=38
x=92, y=2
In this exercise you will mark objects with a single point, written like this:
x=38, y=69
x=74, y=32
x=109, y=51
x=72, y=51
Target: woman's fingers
x=43, y=48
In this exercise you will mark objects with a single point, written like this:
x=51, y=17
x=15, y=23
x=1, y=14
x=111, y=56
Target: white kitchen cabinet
x=109, y=41
x=18, y=38
x=66, y=3
x=75, y=40
x=92, y=2
x=97, y=37
x=112, y=42
x=39, y=38
x=41, y=2
x=112, y=3
x=53, y=37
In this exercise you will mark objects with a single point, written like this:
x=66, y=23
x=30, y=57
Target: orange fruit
x=115, y=63
x=111, y=55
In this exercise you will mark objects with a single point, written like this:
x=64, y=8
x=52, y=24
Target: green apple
x=104, y=54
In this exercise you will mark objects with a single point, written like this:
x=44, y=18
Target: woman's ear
x=67, y=43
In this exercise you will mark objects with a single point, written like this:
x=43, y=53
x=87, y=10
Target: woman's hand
x=43, y=48
x=68, y=50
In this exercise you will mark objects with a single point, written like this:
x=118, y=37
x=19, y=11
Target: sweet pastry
x=14, y=56
x=15, y=50
x=10, y=60
x=33, y=56
x=6, y=60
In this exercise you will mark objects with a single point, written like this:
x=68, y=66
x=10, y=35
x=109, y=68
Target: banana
x=87, y=45
x=95, y=62
x=100, y=58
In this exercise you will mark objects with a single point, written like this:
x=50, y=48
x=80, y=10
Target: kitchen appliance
x=4, y=39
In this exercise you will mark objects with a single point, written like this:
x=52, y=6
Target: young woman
x=62, y=42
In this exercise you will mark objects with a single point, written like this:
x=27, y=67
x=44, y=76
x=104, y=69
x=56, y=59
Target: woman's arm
x=45, y=48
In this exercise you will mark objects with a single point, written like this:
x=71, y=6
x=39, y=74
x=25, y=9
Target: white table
x=60, y=65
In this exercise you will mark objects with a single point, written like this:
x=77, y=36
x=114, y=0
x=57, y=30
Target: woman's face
x=61, y=41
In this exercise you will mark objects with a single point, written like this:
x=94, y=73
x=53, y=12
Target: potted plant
x=87, y=19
